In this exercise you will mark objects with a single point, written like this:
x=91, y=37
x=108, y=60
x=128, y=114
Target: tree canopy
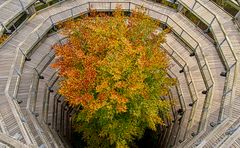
x=114, y=70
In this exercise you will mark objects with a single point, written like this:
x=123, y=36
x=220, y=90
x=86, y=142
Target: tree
x=3, y=38
x=114, y=70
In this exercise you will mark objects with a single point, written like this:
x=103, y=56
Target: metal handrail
x=18, y=81
x=189, y=81
x=27, y=135
x=20, y=68
x=179, y=92
x=182, y=105
x=55, y=109
x=208, y=86
x=210, y=24
x=226, y=63
x=230, y=69
x=37, y=74
x=50, y=22
x=48, y=89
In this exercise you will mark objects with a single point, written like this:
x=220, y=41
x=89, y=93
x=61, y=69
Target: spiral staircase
x=207, y=96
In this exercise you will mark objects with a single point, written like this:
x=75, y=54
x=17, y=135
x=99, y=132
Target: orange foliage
x=112, y=65
x=97, y=54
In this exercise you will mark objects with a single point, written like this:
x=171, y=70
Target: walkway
x=206, y=52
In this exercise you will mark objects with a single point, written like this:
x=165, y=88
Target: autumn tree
x=114, y=70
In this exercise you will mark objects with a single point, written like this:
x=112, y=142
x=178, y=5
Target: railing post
x=129, y=6
x=18, y=73
x=182, y=70
x=15, y=28
x=212, y=21
x=47, y=104
x=34, y=90
x=44, y=103
x=72, y=13
x=181, y=33
x=167, y=19
x=223, y=41
x=26, y=58
x=39, y=75
x=61, y=117
x=189, y=83
x=15, y=88
x=210, y=24
x=38, y=35
x=89, y=5
x=21, y=4
x=180, y=7
x=203, y=66
x=7, y=30
x=232, y=66
x=53, y=25
x=110, y=3
x=54, y=107
x=194, y=4
x=221, y=111
x=194, y=51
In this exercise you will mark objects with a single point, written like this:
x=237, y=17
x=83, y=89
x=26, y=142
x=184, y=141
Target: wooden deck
x=222, y=27
x=184, y=78
x=10, y=9
x=15, y=116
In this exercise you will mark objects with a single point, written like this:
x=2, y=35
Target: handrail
x=50, y=22
x=37, y=74
x=209, y=86
x=20, y=67
x=231, y=68
x=228, y=64
x=215, y=17
x=48, y=88
x=222, y=8
x=179, y=90
x=192, y=90
x=19, y=72
x=23, y=127
x=183, y=116
x=182, y=104
x=56, y=99
x=183, y=31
